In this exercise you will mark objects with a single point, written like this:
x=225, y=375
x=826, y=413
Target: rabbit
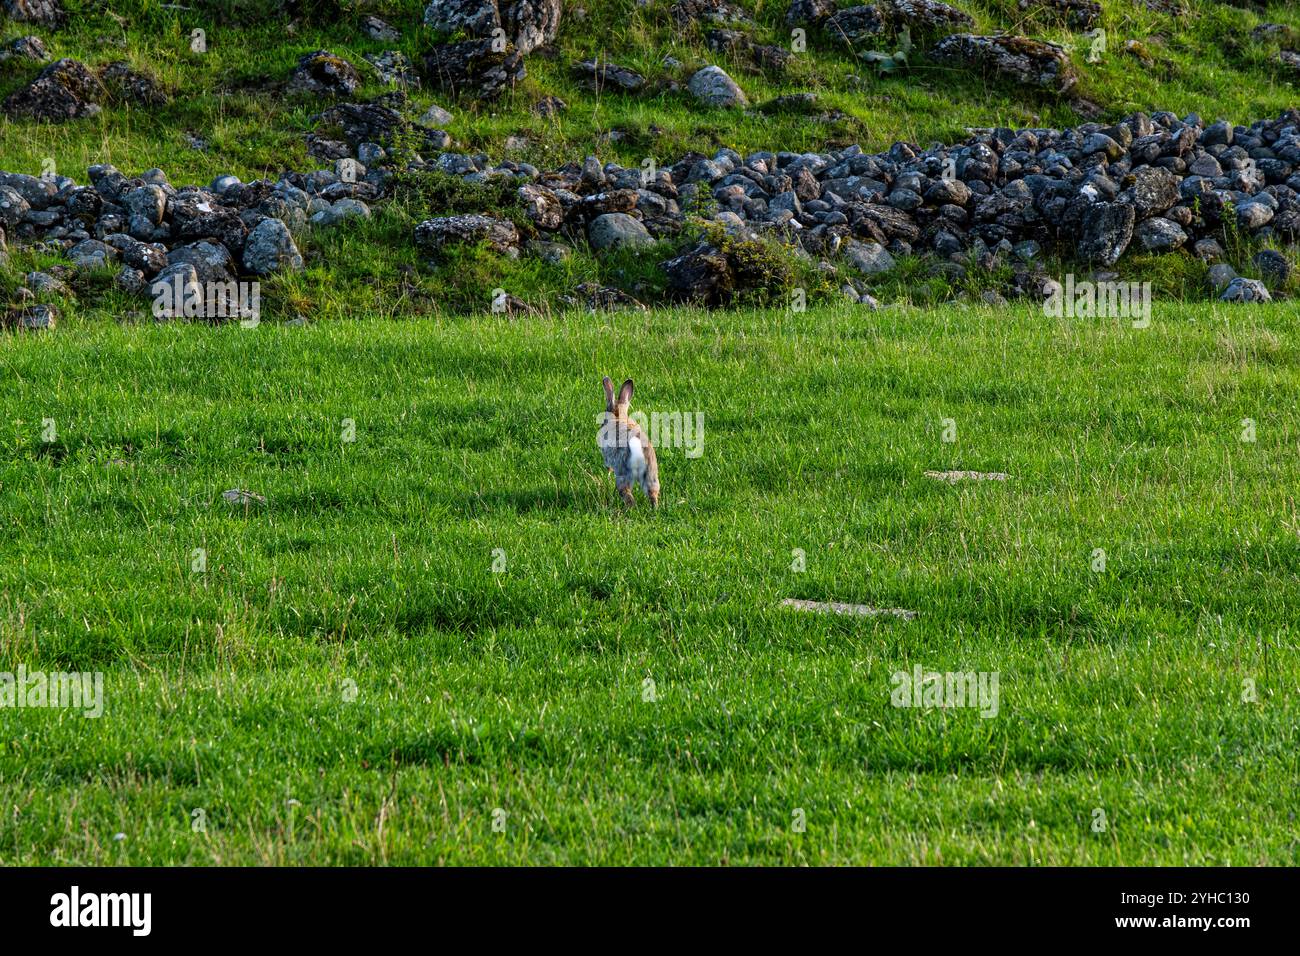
x=625, y=448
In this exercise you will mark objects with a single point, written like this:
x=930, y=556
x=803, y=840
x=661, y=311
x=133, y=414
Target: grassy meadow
x=443, y=641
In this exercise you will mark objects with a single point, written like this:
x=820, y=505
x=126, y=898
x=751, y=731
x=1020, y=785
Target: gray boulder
x=64, y=90
x=13, y=207
x=476, y=68
x=46, y=13
x=869, y=258
x=324, y=73
x=1106, y=231
x=342, y=209
x=713, y=87
x=1035, y=63
x=1160, y=235
x=433, y=235
x=25, y=48
x=1245, y=290
x=526, y=24
x=270, y=248
x=617, y=230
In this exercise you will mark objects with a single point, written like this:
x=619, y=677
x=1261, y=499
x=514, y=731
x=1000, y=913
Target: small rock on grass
x=1242, y=289
x=32, y=318
x=836, y=607
x=239, y=496
x=952, y=477
x=436, y=117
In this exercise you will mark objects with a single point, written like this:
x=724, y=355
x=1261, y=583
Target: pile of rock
x=497, y=35
x=68, y=89
x=194, y=238
x=1155, y=183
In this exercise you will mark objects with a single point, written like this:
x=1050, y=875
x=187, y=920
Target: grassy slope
x=1206, y=64
x=231, y=96
x=523, y=690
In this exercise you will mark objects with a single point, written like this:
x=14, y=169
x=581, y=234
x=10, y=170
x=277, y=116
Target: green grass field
x=350, y=681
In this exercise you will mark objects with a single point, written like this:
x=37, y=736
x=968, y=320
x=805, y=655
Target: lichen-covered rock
x=394, y=68
x=713, y=87
x=1079, y=14
x=869, y=258
x=46, y=13
x=91, y=254
x=542, y=206
x=713, y=12
x=25, y=48
x=921, y=18
x=270, y=248
x=600, y=75
x=1153, y=189
x=703, y=275
x=1160, y=235
x=212, y=261
x=526, y=24
x=1274, y=266
x=1106, y=231
x=378, y=29
x=530, y=24
x=856, y=23
x=340, y=210
x=475, y=68
x=131, y=86
x=809, y=12
x=13, y=207
x=324, y=74
x=598, y=298
x=617, y=230
x=737, y=44
x=44, y=284
x=924, y=17
x=1035, y=63
x=433, y=235
x=373, y=122
x=1245, y=290
x=476, y=18
x=145, y=206
x=41, y=317
x=64, y=90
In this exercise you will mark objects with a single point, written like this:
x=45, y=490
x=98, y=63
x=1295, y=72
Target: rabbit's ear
x=609, y=393
x=625, y=393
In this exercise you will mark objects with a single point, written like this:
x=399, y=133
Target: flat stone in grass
x=835, y=607
x=31, y=318
x=238, y=496
x=1241, y=289
x=952, y=477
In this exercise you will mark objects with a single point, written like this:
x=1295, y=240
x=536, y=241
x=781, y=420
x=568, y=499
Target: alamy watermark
x=1100, y=300
x=683, y=430
x=75, y=690
x=922, y=688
